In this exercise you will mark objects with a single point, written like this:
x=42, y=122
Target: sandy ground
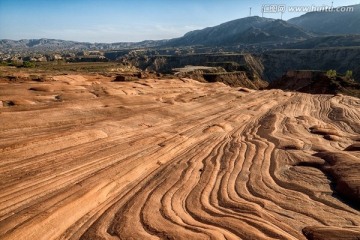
x=82, y=157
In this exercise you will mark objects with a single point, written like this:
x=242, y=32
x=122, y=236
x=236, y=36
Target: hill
x=330, y=22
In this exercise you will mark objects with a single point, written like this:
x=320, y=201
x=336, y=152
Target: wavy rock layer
x=82, y=157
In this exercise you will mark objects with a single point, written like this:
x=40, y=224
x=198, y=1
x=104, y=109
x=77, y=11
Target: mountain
x=44, y=44
x=306, y=29
x=330, y=22
x=251, y=30
x=248, y=30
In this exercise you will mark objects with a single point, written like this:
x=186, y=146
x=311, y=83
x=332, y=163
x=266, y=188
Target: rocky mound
x=133, y=76
x=218, y=74
x=235, y=79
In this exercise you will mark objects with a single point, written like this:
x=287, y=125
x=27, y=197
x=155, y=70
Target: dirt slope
x=82, y=157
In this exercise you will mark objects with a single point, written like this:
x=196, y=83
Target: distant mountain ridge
x=306, y=30
x=330, y=22
x=45, y=44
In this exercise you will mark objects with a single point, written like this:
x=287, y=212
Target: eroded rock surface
x=83, y=157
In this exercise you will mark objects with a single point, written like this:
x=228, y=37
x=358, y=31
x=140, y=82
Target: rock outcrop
x=218, y=74
x=317, y=82
x=278, y=62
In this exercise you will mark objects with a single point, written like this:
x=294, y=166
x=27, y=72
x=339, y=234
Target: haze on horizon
x=109, y=21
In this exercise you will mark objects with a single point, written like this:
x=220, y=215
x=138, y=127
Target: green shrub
x=28, y=64
x=349, y=74
x=15, y=64
x=331, y=74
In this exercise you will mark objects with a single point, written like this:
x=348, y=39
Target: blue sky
x=126, y=20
